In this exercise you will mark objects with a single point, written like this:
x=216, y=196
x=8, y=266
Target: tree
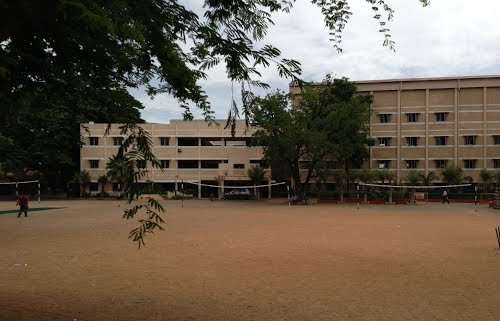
x=118, y=169
x=413, y=178
x=329, y=121
x=83, y=180
x=163, y=45
x=429, y=178
x=102, y=180
x=127, y=167
x=451, y=175
x=91, y=49
x=256, y=174
x=487, y=178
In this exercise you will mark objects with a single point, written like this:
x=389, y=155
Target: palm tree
x=451, y=175
x=119, y=169
x=256, y=174
x=429, y=178
x=102, y=180
x=487, y=178
x=367, y=176
x=83, y=180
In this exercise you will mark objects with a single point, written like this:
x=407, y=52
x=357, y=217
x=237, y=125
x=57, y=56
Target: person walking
x=22, y=201
x=445, y=197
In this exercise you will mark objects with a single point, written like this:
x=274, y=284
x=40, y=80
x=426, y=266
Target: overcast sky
x=447, y=38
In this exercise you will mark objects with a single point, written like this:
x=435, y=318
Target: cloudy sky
x=447, y=38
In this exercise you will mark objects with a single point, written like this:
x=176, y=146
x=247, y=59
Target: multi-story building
x=421, y=124
x=188, y=151
x=426, y=124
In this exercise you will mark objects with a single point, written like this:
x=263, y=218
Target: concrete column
x=457, y=139
x=398, y=139
x=426, y=165
x=485, y=125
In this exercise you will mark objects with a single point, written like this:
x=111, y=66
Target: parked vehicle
x=239, y=194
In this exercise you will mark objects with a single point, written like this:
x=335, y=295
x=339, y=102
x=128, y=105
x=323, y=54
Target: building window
x=412, y=141
x=94, y=141
x=187, y=164
x=412, y=117
x=385, y=118
x=496, y=139
x=164, y=163
x=412, y=163
x=470, y=140
x=440, y=140
x=187, y=141
x=94, y=187
x=116, y=187
x=255, y=161
x=384, y=141
x=383, y=164
x=469, y=163
x=210, y=163
x=164, y=141
x=238, y=166
x=117, y=141
x=440, y=163
x=94, y=163
x=496, y=163
x=441, y=116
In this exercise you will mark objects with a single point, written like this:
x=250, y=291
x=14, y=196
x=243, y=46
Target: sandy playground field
x=251, y=261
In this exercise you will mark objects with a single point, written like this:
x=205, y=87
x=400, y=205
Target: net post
x=17, y=189
x=357, y=194
x=288, y=193
x=38, y=191
x=182, y=192
x=475, y=197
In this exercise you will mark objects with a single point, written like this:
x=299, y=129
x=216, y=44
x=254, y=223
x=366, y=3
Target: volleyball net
x=413, y=193
x=10, y=190
x=208, y=189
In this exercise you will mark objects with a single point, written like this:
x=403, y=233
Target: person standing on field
x=22, y=201
x=445, y=197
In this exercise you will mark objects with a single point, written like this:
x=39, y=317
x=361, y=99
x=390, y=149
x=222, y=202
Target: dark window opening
x=187, y=141
x=385, y=118
x=117, y=141
x=210, y=163
x=384, y=141
x=238, y=166
x=412, y=141
x=440, y=140
x=412, y=163
x=94, y=141
x=94, y=163
x=187, y=164
x=412, y=117
x=212, y=141
x=164, y=163
x=440, y=163
x=441, y=116
x=470, y=140
x=164, y=141
x=94, y=187
x=469, y=163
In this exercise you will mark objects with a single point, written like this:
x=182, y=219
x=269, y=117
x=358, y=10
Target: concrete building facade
x=425, y=124
x=421, y=124
x=189, y=152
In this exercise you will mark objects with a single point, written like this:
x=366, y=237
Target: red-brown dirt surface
x=251, y=261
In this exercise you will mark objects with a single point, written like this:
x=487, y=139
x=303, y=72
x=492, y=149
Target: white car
x=239, y=191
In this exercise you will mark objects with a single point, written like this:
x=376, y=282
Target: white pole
x=17, y=190
x=288, y=192
x=38, y=192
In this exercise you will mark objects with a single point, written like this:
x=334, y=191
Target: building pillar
x=398, y=150
x=485, y=126
x=456, y=122
x=426, y=161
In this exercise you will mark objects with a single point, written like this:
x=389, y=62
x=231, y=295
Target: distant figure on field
x=445, y=197
x=22, y=201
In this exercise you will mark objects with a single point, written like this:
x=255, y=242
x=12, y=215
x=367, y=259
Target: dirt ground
x=251, y=261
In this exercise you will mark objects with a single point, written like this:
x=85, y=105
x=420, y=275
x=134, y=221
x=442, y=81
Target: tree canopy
x=328, y=122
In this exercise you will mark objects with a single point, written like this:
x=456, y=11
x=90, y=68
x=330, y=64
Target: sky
x=447, y=38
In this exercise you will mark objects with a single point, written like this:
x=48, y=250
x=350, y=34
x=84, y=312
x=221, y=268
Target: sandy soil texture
x=251, y=261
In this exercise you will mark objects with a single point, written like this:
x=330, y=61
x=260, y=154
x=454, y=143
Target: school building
x=422, y=124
